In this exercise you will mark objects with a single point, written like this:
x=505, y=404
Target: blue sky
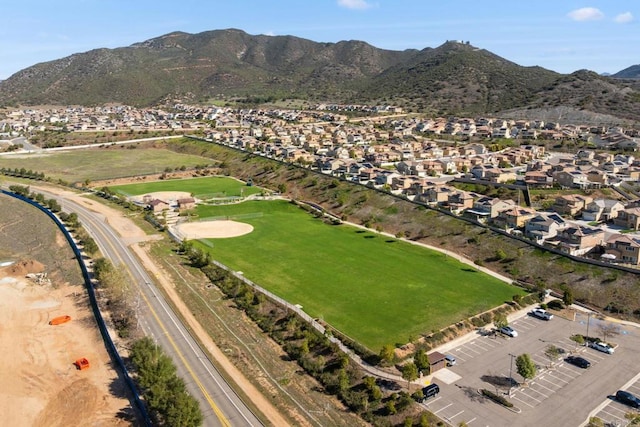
x=561, y=35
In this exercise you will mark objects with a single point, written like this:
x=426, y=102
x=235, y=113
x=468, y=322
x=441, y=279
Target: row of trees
x=22, y=173
x=163, y=390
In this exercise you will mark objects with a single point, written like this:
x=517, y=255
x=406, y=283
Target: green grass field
x=375, y=289
x=202, y=188
x=72, y=166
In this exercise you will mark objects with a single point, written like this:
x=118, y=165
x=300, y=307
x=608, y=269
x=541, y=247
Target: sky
x=560, y=35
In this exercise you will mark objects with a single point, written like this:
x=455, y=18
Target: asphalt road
x=220, y=405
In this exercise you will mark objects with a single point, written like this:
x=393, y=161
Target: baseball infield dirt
x=213, y=229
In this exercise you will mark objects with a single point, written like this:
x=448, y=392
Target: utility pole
x=588, y=321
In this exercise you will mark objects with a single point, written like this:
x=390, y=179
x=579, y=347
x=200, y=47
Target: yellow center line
x=212, y=404
x=215, y=408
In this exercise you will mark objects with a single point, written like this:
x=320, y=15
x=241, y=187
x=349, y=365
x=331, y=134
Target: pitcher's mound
x=213, y=229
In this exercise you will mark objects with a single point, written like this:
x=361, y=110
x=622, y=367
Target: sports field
x=201, y=188
x=375, y=289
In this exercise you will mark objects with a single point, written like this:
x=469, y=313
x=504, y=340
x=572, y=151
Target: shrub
x=555, y=304
x=497, y=398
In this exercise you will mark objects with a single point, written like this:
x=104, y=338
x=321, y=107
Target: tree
x=410, y=373
x=388, y=354
x=500, y=321
x=552, y=352
x=633, y=417
x=526, y=367
x=595, y=422
x=578, y=339
x=609, y=330
x=567, y=297
x=421, y=361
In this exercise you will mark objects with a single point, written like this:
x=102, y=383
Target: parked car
x=450, y=360
x=541, y=313
x=628, y=399
x=601, y=346
x=430, y=391
x=578, y=361
x=509, y=331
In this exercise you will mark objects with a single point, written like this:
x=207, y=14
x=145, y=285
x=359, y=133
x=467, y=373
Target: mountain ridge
x=454, y=78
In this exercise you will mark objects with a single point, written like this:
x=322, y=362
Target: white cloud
x=586, y=14
x=623, y=18
x=354, y=4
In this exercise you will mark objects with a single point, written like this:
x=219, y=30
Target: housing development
x=421, y=159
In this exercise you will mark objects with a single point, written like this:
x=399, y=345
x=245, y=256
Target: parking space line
x=453, y=416
x=482, y=345
x=550, y=382
x=442, y=409
x=616, y=409
x=533, y=390
x=432, y=401
x=611, y=416
x=516, y=398
x=559, y=379
x=471, y=420
x=561, y=373
x=634, y=387
x=471, y=348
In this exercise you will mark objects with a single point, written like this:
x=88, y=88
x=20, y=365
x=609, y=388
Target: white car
x=541, y=313
x=508, y=330
x=601, y=346
x=450, y=360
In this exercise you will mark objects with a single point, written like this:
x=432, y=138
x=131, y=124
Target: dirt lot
x=39, y=383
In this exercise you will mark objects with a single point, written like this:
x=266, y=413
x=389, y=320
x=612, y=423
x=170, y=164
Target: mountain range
x=454, y=78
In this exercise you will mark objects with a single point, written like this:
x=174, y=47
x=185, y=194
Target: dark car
x=430, y=391
x=578, y=361
x=628, y=399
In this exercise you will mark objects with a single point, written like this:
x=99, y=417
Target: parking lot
x=560, y=394
x=613, y=412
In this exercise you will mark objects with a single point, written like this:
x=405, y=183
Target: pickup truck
x=541, y=313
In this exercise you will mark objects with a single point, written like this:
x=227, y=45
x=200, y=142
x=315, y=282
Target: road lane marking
x=206, y=395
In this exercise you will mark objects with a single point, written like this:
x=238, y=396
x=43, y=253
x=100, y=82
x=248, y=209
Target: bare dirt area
x=213, y=229
x=39, y=384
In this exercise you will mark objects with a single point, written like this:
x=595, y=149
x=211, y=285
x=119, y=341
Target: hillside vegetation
x=454, y=78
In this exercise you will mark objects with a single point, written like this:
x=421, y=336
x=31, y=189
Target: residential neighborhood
x=420, y=159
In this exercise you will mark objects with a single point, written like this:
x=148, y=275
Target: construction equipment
x=60, y=320
x=82, y=364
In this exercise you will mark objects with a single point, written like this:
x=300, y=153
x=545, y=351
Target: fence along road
x=220, y=405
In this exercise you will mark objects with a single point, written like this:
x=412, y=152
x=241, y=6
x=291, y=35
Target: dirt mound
x=77, y=401
x=22, y=268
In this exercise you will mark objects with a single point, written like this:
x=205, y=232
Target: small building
x=186, y=203
x=437, y=361
x=157, y=205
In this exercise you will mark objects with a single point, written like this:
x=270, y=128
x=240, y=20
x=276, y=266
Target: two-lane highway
x=220, y=405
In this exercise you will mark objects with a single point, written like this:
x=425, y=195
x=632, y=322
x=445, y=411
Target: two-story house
x=623, y=248
x=570, y=204
x=513, y=218
x=578, y=240
x=543, y=226
x=602, y=210
x=486, y=208
x=628, y=218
